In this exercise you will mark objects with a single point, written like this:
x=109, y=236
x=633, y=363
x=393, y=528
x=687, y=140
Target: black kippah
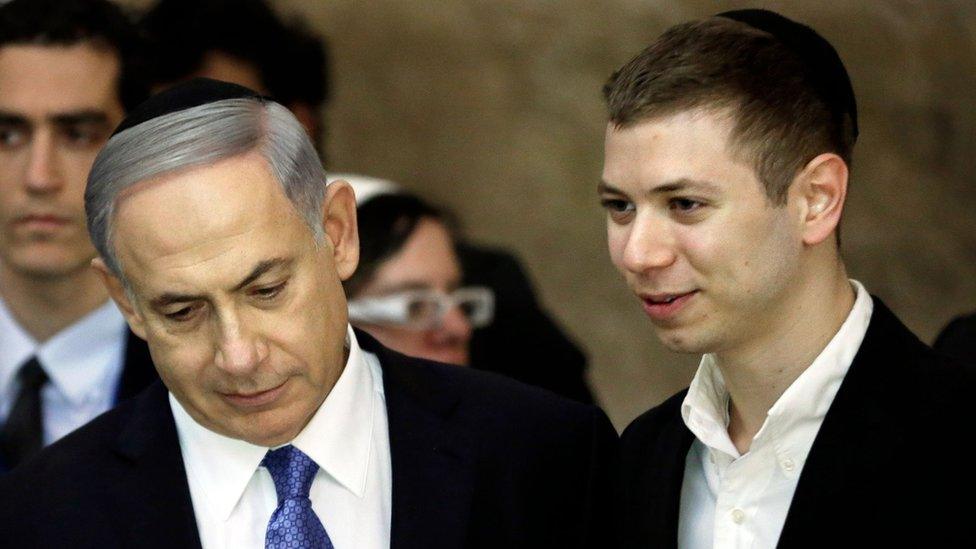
x=192, y=93
x=826, y=70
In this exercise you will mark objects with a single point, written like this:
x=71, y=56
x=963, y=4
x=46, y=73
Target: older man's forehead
x=211, y=215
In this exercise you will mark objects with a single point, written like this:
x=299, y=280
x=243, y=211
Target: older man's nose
x=239, y=350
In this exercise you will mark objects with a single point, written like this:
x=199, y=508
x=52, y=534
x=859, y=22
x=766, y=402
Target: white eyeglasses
x=424, y=309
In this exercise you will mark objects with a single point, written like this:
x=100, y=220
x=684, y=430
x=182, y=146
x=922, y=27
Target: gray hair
x=197, y=137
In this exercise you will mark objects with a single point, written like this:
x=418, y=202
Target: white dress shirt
x=348, y=437
x=83, y=363
x=738, y=501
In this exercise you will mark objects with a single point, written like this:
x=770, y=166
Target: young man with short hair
x=815, y=417
x=69, y=70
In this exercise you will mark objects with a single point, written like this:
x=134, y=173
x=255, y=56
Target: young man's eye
x=685, y=205
x=82, y=135
x=12, y=137
x=617, y=207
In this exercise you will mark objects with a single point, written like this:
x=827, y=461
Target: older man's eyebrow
x=261, y=269
x=171, y=298
x=11, y=119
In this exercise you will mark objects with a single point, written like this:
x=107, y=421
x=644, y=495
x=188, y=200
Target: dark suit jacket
x=477, y=460
x=138, y=373
x=886, y=469
x=958, y=339
x=523, y=342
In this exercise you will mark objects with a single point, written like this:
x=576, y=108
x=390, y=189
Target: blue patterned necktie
x=293, y=525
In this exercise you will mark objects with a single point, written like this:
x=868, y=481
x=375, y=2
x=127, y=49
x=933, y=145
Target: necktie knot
x=292, y=472
x=31, y=375
x=294, y=524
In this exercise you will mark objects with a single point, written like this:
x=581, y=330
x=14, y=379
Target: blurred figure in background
x=244, y=42
x=407, y=290
x=421, y=292
x=69, y=70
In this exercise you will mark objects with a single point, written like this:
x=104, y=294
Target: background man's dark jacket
x=887, y=468
x=478, y=461
x=523, y=342
x=138, y=373
x=958, y=339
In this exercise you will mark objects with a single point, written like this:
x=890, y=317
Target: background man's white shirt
x=83, y=363
x=738, y=501
x=348, y=437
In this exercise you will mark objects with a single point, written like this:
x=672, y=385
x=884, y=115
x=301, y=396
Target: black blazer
x=138, y=373
x=958, y=339
x=477, y=460
x=886, y=469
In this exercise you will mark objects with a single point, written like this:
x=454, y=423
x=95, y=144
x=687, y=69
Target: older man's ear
x=339, y=221
x=116, y=290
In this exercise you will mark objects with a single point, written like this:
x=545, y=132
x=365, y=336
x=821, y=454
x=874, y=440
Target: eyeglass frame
x=393, y=309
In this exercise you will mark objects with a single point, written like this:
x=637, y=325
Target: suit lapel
x=152, y=497
x=844, y=461
x=138, y=371
x=433, y=471
x=663, y=486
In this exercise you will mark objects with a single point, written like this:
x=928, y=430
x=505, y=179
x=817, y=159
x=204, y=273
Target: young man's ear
x=823, y=192
x=118, y=294
x=339, y=220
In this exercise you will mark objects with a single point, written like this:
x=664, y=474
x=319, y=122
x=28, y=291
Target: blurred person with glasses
x=407, y=290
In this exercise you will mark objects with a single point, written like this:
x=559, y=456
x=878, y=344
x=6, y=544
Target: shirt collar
x=16, y=346
x=337, y=438
x=79, y=360
x=807, y=399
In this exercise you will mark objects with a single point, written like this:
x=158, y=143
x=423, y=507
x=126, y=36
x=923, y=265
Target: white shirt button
x=738, y=515
x=789, y=465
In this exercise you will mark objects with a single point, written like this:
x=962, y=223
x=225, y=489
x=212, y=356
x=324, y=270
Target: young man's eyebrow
x=681, y=184
x=80, y=117
x=11, y=119
x=261, y=269
x=684, y=184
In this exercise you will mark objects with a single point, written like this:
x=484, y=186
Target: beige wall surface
x=493, y=109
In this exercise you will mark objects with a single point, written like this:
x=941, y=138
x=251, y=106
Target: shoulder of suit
x=908, y=365
x=650, y=424
x=492, y=402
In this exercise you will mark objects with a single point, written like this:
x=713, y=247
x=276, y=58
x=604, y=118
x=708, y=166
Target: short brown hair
x=781, y=120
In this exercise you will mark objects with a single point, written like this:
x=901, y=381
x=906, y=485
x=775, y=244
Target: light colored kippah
x=366, y=187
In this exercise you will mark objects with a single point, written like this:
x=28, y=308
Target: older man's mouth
x=256, y=399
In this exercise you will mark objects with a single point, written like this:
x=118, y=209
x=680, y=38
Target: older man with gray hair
x=279, y=425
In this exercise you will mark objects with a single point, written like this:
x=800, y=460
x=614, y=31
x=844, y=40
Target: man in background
x=958, y=339
x=244, y=42
x=69, y=70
